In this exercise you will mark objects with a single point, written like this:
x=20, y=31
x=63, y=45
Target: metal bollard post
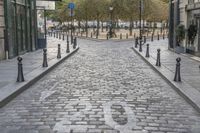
x=158, y=37
x=20, y=77
x=163, y=36
x=152, y=37
x=120, y=35
x=107, y=37
x=158, y=58
x=63, y=37
x=59, y=52
x=136, y=42
x=147, y=51
x=45, y=64
x=68, y=50
x=72, y=40
x=177, y=77
x=145, y=40
x=59, y=35
x=75, y=43
x=54, y=34
x=91, y=35
x=126, y=35
x=140, y=45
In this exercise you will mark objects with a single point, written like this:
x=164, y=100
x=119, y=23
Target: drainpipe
x=6, y=30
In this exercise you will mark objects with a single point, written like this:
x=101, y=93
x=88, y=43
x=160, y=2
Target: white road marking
x=131, y=123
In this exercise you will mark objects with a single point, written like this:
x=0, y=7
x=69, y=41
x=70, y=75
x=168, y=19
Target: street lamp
x=141, y=8
x=111, y=15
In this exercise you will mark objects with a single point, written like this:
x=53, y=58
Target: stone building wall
x=2, y=25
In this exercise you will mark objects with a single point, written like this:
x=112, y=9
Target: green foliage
x=180, y=33
x=154, y=10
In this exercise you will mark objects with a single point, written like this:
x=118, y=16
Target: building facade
x=187, y=13
x=18, y=27
x=2, y=25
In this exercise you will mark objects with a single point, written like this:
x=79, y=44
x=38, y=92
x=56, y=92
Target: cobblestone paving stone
x=104, y=88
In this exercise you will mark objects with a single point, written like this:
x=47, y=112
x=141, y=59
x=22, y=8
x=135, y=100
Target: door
x=21, y=27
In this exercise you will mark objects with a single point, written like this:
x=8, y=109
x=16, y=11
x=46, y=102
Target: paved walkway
x=104, y=88
x=190, y=71
x=189, y=88
x=32, y=68
x=31, y=61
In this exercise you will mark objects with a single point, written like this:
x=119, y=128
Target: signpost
x=71, y=7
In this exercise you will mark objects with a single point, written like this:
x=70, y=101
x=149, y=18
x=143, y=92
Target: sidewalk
x=189, y=88
x=32, y=68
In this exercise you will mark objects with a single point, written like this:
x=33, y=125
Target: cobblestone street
x=104, y=88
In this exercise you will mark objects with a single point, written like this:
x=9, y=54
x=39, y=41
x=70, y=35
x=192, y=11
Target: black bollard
x=126, y=35
x=152, y=37
x=177, y=77
x=45, y=64
x=158, y=37
x=68, y=50
x=145, y=40
x=158, y=58
x=136, y=42
x=72, y=40
x=63, y=37
x=120, y=35
x=59, y=52
x=91, y=34
x=107, y=36
x=54, y=34
x=140, y=45
x=20, y=77
x=163, y=36
x=75, y=43
x=59, y=35
x=147, y=51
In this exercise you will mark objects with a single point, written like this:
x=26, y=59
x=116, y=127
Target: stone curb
x=189, y=93
x=12, y=90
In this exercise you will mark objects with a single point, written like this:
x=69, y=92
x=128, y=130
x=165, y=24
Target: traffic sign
x=71, y=5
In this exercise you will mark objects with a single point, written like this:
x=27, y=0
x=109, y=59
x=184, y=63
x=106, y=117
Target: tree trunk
x=86, y=27
x=98, y=26
x=154, y=27
x=131, y=27
x=101, y=26
x=79, y=26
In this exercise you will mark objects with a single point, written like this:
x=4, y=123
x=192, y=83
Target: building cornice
x=194, y=6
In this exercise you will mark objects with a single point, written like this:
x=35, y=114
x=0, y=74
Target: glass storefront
x=20, y=17
x=193, y=32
